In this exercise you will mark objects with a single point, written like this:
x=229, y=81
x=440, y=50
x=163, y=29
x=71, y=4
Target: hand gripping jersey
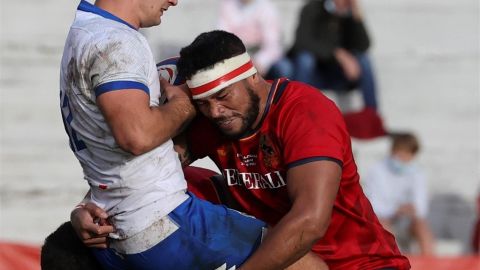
x=300, y=125
x=104, y=53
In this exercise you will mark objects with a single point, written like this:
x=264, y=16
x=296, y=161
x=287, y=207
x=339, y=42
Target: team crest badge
x=270, y=152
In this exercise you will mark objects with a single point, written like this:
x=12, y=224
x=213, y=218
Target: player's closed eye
x=222, y=95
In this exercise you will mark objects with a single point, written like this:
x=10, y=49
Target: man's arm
x=313, y=188
x=92, y=234
x=348, y=62
x=139, y=128
x=181, y=147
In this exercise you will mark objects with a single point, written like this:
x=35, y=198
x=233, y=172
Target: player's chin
x=158, y=20
x=234, y=132
x=151, y=23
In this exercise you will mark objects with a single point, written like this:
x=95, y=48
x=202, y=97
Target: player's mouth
x=225, y=123
x=163, y=10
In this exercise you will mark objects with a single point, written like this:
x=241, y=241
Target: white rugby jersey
x=104, y=53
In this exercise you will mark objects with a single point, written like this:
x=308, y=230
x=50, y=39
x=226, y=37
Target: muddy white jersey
x=104, y=53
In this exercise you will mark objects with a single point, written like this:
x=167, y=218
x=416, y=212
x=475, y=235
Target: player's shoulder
x=299, y=92
x=300, y=97
x=106, y=31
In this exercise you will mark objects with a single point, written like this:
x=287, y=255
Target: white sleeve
x=376, y=190
x=119, y=58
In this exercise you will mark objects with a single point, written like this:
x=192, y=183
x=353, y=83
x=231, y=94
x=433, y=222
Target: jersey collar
x=87, y=7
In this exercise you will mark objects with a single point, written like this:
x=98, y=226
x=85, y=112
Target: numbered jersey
x=104, y=53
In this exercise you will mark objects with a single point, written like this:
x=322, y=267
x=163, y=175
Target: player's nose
x=216, y=110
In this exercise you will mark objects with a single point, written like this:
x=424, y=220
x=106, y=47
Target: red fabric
x=445, y=263
x=19, y=256
x=365, y=124
x=476, y=233
x=476, y=237
x=301, y=125
x=199, y=183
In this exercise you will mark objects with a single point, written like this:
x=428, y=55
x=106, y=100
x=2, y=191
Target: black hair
x=208, y=49
x=64, y=250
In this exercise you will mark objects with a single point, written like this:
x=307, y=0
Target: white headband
x=208, y=81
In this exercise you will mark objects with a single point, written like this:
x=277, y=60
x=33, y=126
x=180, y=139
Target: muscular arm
x=312, y=188
x=181, y=147
x=137, y=127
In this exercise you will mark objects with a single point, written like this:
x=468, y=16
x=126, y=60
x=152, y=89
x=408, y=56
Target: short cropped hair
x=64, y=250
x=405, y=141
x=208, y=49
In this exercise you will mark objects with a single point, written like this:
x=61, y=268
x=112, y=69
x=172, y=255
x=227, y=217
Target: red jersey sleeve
x=311, y=128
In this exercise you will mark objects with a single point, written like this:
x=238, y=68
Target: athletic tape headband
x=207, y=82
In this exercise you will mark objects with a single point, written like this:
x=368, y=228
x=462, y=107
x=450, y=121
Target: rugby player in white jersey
x=120, y=132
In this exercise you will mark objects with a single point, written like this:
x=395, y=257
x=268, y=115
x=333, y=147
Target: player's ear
x=254, y=79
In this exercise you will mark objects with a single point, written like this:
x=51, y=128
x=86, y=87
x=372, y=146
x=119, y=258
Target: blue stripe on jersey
x=119, y=85
x=311, y=159
x=87, y=7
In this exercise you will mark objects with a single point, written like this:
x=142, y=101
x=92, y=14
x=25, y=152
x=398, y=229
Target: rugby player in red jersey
x=286, y=157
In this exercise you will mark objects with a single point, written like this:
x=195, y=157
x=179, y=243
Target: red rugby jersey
x=300, y=125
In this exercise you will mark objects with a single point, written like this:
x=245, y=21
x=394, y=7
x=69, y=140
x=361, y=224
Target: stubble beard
x=248, y=119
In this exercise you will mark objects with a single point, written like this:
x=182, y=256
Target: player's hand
x=90, y=224
x=179, y=94
x=349, y=64
x=175, y=91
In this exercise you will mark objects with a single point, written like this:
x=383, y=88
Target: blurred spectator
x=330, y=48
x=397, y=190
x=257, y=24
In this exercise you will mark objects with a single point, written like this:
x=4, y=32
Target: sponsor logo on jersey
x=251, y=180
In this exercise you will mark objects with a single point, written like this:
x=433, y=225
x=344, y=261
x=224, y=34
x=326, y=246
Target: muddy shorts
x=196, y=235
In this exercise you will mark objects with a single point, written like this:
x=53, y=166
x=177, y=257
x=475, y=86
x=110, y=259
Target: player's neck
x=263, y=91
x=124, y=11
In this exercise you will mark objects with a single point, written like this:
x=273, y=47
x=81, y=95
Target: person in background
x=330, y=49
x=258, y=25
x=397, y=189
